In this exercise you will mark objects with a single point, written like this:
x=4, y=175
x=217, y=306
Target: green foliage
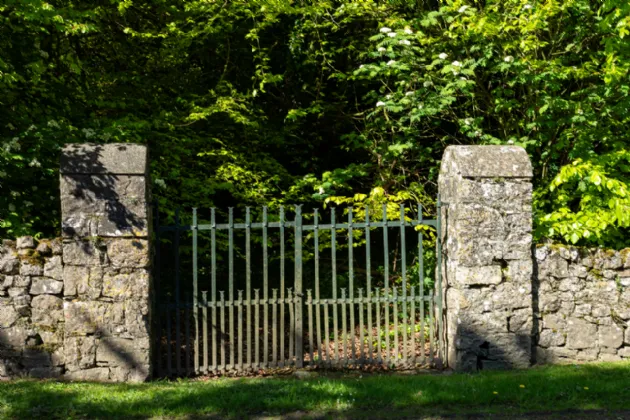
x=347, y=103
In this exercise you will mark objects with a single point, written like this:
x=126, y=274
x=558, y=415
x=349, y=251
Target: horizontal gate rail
x=356, y=225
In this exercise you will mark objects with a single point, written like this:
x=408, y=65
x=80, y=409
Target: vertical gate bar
x=178, y=358
x=386, y=280
x=248, y=285
x=326, y=336
x=351, y=284
x=438, y=270
x=368, y=292
x=431, y=322
x=204, y=302
x=265, y=292
x=403, y=269
x=195, y=306
x=412, y=324
x=169, y=363
x=231, y=283
x=309, y=302
x=213, y=286
x=317, y=308
x=187, y=331
x=395, y=315
x=158, y=269
x=222, y=331
x=282, y=286
x=379, y=354
x=333, y=252
x=299, y=323
x=422, y=331
x=362, y=353
x=344, y=330
x=274, y=327
x=240, y=330
x=256, y=328
x=289, y=302
x=421, y=281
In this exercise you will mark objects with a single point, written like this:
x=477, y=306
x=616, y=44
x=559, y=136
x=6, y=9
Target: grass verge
x=584, y=387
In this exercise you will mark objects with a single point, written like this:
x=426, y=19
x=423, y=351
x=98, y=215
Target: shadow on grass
x=602, y=386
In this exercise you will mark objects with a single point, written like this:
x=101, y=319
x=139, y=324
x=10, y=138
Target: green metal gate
x=217, y=317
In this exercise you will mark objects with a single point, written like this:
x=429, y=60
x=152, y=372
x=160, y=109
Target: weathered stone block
x=80, y=352
x=85, y=317
x=27, y=269
x=25, y=242
x=122, y=352
x=47, y=310
x=580, y=334
x=83, y=253
x=479, y=275
x=8, y=316
x=555, y=266
x=99, y=374
x=132, y=253
x=54, y=268
x=124, y=285
x=45, y=285
x=21, y=281
x=104, y=159
x=9, y=263
x=549, y=338
x=610, y=336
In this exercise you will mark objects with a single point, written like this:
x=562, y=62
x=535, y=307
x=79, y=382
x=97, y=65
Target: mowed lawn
x=574, y=387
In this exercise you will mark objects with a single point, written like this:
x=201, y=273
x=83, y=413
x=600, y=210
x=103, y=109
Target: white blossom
x=462, y=78
x=408, y=31
x=382, y=49
x=508, y=59
x=380, y=103
x=420, y=106
x=388, y=96
x=477, y=133
x=391, y=62
x=410, y=93
x=11, y=207
x=510, y=142
x=404, y=42
x=361, y=66
x=463, y=9
x=321, y=190
x=35, y=163
x=456, y=64
x=392, y=34
x=385, y=29
x=527, y=7
x=468, y=121
x=427, y=83
x=443, y=56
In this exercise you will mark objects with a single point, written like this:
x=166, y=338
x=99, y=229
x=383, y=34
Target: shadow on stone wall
x=98, y=197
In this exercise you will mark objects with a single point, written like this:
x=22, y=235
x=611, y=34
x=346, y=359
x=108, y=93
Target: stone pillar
x=105, y=226
x=487, y=256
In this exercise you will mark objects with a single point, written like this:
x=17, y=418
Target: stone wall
x=486, y=216
x=582, y=302
x=31, y=309
x=78, y=307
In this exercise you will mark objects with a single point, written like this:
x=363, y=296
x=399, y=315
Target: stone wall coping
x=116, y=158
x=486, y=162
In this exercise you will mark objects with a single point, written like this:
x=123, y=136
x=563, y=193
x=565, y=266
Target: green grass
x=547, y=388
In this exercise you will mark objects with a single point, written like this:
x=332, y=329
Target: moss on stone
x=31, y=257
